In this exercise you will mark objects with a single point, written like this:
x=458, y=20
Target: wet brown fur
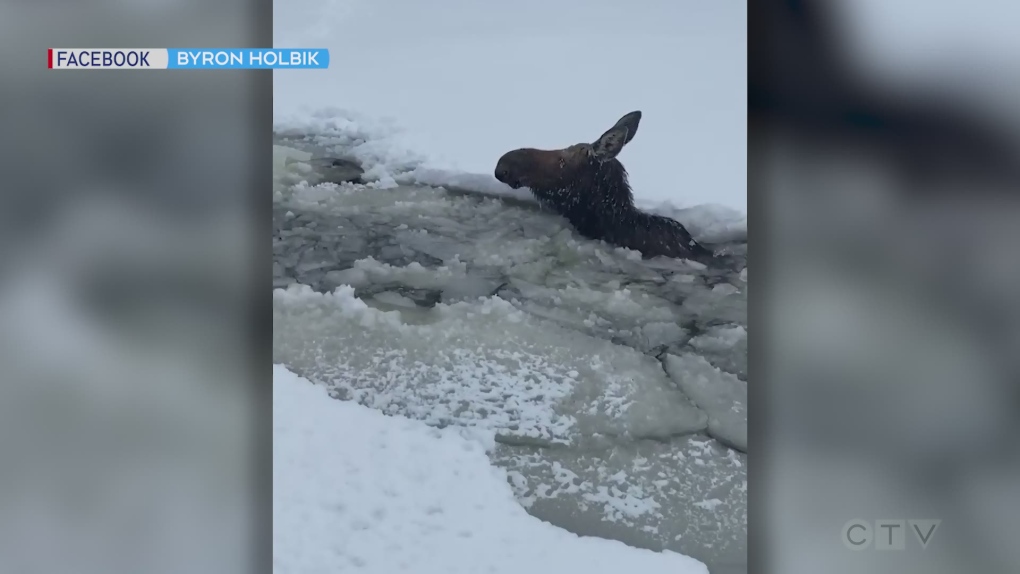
x=587, y=185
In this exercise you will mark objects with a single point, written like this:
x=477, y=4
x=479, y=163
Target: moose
x=588, y=186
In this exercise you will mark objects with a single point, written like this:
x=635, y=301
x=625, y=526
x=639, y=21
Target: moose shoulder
x=587, y=185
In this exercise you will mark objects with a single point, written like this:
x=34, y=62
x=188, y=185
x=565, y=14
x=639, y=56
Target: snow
x=355, y=490
x=482, y=364
x=490, y=362
x=440, y=90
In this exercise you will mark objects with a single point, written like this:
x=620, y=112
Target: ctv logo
x=887, y=534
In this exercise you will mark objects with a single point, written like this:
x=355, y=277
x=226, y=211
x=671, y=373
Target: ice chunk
x=283, y=157
x=619, y=314
x=661, y=334
x=353, y=277
x=369, y=271
x=724, y=303
x=479, y=364
x=469, y=287
x=722, y=395
x=434, y=245
x=394, y=299
x=725, y=346
x=640, y=492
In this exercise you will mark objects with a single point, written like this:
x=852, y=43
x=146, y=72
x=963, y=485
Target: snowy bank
x=358, y=491
x=466, y=81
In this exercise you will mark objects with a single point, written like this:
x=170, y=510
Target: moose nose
x=503, y=174
x=507, y=172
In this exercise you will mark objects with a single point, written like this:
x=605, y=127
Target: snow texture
x=358, y=491
x=464, y=81
x=487, y=365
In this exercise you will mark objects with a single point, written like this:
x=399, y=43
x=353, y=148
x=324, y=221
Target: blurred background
x=884, y=190
x=134, y=260
x=134, y=341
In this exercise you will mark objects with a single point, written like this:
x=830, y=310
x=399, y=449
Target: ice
x=723, y=303
x=368, y=271
x=660, y=334
x=395, y=299
x=722, y=395
x=634, y=492
x=281, y=155
x=428, y=240
x=484, y=364
x=435, y=246
x=324, y=134
x=435, y=292
x=469, y=311
x=709, y=505
x=357, y=491
x=725, y=346
x=469, y=287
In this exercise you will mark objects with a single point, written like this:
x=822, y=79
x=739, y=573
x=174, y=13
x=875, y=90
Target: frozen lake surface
x=406, y=497
x=612, y=390
x=615, y=387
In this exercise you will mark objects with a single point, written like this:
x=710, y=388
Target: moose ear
x=612, y=142
x=629, y=121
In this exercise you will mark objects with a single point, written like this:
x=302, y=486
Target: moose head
x=545, y=171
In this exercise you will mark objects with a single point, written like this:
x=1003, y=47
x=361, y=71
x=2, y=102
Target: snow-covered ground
x=358, y=491
x=610, y=390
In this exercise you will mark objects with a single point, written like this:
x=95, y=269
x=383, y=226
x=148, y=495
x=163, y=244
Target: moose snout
x=506, y=174
x=502, y=173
